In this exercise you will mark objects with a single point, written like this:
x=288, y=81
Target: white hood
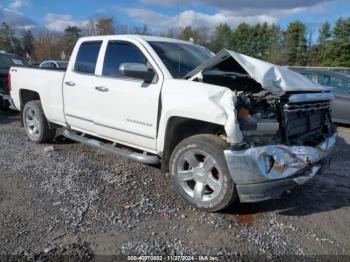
x=276, y=79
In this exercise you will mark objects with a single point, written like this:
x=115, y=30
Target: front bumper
x=265, y=172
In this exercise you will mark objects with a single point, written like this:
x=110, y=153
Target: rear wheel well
x=25, y=97
x=180, y=128
x=28, y=95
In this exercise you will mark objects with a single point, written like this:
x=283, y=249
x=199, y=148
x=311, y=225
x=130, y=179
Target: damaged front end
x=286, y=141
x=280, y=129
x=265, y=172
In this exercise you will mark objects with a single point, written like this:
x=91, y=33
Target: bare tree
x=47, y=46
x=173, y=32
x=121, y=29
x=142, y=30
x=90, y=28
x=105, y=26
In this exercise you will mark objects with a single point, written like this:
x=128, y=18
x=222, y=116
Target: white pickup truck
x=224, y=126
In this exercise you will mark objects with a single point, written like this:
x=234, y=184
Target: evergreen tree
x=324, y=35
x=274, y=43
x=7, y=38
x=189, y=34
x=260, y=41
x=71, y=36
x=341, y=30
x=317, y=52
x=241, y=39
x=222, y=37
x=265, y=38
x=296, y=44
x=337, y=50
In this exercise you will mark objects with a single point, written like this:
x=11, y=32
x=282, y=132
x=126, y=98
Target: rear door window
x=87, y=57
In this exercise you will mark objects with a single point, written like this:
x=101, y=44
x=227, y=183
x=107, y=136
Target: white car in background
x=54, y=64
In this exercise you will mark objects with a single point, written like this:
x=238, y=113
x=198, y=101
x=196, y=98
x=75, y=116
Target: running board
x=131, y=155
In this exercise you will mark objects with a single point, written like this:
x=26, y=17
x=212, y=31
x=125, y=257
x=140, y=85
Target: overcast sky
x=162, y=14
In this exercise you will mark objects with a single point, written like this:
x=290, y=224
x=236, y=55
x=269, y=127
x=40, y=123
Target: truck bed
x=46, y=82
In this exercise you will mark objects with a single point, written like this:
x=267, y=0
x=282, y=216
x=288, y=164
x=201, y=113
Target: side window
x=333, y=81
x=340, y=83
x=118, y=53
x=324, y=80
x=308, y=75
x=87, y=57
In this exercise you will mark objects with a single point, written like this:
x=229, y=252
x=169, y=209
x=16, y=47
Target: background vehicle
x=224, y=126
x=54, y=64
x=6, y=61
x=339, y=84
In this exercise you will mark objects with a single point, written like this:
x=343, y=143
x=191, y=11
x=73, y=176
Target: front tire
x=200, y=175
x=36, y=124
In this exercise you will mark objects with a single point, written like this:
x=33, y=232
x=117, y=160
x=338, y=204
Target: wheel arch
x=26, y=96
x=180, y=128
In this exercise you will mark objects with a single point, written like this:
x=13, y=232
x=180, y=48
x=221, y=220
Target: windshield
x=8, y=60
x=180, y=58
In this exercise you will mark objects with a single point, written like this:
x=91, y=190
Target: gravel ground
x=66, y=199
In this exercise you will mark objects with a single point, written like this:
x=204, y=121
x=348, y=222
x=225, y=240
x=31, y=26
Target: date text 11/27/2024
x=173, y=258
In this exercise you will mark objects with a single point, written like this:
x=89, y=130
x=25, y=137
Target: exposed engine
x=259, y=118
x=265, y=118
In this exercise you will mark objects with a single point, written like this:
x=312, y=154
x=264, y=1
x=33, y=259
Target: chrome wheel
x=199, y=175
x=32, y=122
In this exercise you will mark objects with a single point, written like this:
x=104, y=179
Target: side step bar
x=131, y=155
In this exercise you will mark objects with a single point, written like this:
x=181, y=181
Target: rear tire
x=200, y=175
x=35, y=123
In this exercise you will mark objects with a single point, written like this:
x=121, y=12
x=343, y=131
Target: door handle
x=70, y=83
x=101, y=88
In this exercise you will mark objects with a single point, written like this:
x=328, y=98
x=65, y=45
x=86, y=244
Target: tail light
x=9, y=82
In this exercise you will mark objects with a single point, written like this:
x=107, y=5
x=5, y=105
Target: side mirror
x=138, y=71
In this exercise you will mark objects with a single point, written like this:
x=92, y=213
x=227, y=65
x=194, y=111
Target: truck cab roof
x=137, y=37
